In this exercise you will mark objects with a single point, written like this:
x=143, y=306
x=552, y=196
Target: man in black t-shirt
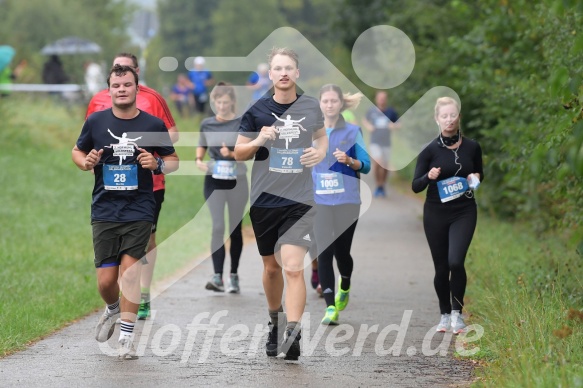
x=118, y=144
x=286, y=135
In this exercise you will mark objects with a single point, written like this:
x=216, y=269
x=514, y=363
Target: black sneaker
x=291, y=344
x=272, y=343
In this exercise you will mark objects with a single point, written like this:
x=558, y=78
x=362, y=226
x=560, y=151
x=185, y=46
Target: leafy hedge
x=517, y=67
x=523, y=91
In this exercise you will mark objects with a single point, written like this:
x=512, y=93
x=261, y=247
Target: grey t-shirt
x=278, y=179
x=213, y=133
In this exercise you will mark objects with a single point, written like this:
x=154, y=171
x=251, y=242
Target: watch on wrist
x=160, y=169
x=351, y=162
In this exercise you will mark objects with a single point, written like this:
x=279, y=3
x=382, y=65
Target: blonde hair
x=283, y=51
x=443, y=101
x=349, y=101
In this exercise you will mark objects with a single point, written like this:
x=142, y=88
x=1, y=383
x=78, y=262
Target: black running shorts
x=111, y=240
x=274, y=227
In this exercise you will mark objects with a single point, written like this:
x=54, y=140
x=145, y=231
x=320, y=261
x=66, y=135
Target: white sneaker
x=457, y=322
x=444, y=323
x=126, y=349
x=234, y=284
x=106, y=325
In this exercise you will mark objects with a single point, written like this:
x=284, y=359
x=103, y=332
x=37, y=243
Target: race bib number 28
x=120, y=177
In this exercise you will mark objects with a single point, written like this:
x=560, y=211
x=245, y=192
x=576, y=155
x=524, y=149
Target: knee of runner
x=294, y=272
x=456, y=266
x=273, y=271
x=105, y=283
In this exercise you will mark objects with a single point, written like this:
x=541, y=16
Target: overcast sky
x=144, y=3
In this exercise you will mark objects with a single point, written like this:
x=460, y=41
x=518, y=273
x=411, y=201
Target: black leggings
x=449, y=229
x=334, y=228
x=218, y=195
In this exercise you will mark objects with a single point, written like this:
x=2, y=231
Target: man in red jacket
x=150, y=101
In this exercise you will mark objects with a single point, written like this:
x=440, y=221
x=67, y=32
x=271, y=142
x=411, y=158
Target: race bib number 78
x=285, y=160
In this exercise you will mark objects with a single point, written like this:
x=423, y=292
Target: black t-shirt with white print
x=278, y=179
x=123, y=189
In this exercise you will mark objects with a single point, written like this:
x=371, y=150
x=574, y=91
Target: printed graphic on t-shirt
x=290, y=129
x=287, y=160
x=126, y=146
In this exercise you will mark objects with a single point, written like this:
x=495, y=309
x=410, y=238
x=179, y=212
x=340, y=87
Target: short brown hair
x=128, y=55
x=120, y=70
x=222, y=89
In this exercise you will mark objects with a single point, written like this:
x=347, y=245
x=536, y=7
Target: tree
x=239, y=28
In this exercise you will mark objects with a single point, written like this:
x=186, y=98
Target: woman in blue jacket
x=337, y=196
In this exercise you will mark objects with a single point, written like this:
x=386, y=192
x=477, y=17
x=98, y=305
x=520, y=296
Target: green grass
x=526, y=293
x=47, y=277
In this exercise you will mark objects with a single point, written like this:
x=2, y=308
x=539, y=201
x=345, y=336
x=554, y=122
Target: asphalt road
x=201, y=338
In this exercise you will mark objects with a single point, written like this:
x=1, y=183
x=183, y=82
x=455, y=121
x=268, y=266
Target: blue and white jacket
x=348, y=138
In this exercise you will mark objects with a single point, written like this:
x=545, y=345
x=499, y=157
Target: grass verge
x=526, y=293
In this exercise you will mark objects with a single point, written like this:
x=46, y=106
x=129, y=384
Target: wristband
x=160, y=169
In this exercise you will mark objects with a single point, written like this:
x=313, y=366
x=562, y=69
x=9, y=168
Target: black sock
x=328, y=296
x=345, y=283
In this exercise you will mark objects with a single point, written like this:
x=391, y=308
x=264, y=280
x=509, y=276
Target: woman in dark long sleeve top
x=445, y=167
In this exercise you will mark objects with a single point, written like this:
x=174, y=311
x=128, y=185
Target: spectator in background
x=7, y=76
x=380, y=120
x=202, y=80
x=94, y=79
x=182, y=94
x=53, y=71
x=259, y=81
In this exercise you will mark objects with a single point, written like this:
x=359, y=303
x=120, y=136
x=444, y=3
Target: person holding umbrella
x=53, y=71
